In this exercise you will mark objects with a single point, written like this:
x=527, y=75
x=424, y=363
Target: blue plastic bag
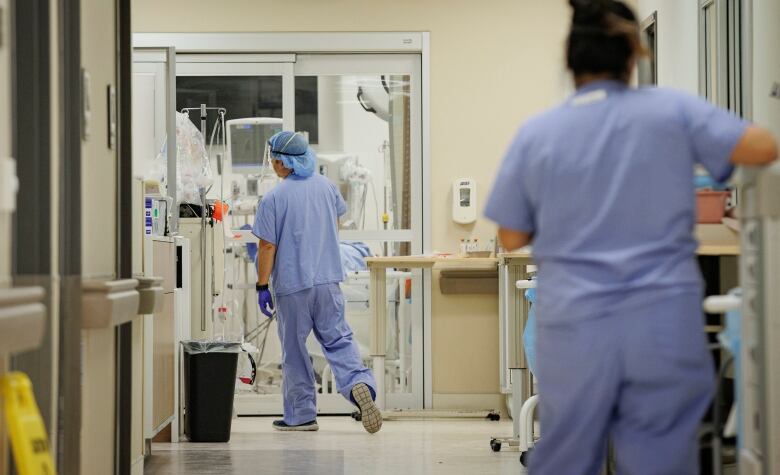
x=529, y=334
x=706, y=182
x=251, y=247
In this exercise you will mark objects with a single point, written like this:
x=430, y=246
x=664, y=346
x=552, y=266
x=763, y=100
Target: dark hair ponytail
x=604, y=36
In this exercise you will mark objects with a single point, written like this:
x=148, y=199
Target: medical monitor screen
x=247, y=143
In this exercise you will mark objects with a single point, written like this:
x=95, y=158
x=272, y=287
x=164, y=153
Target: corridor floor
x=408, y=447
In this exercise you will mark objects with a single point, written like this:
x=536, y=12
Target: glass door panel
x=245, y=90
x=360, y=127
x=362, y=115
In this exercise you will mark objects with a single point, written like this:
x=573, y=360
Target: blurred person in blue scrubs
x=602, y=186
x=297, y=224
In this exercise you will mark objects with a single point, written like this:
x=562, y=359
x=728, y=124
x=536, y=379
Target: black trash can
x=209, y=387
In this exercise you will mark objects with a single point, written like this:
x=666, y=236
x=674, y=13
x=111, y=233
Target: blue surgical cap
x=294, y=152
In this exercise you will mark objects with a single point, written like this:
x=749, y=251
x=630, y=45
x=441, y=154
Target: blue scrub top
x=604, y=182
x=300, y=217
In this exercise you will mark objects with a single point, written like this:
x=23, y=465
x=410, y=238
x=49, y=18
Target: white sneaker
x=370, y=415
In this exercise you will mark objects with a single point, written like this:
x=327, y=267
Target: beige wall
x=493, y=64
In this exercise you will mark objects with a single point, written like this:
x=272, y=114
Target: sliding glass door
x=362, y=115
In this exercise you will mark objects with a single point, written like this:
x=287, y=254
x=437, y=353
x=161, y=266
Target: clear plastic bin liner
x=529, y=334
x=195, y=347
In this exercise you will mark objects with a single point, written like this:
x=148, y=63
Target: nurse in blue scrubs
x=297, y=224
x=602, y=186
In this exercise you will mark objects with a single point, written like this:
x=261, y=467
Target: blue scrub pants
x=642, y=378
x=320, y=308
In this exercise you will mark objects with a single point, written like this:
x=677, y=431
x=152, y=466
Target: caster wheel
x=494, y=416
x=524, y=457
x=357, y=416
x=495, y=445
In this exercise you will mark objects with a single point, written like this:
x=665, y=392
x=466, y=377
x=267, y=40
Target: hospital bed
x=356, y=289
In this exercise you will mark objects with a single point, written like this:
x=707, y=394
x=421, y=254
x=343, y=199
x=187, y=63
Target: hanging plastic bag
x=247, y=367
x=193, y=173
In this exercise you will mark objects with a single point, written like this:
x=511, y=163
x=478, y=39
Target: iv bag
x=193, y=173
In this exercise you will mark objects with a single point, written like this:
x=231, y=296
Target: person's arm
x=721, y=140
x=509, y=204
x=756, y=147
x=266, y=254
x=512, y=240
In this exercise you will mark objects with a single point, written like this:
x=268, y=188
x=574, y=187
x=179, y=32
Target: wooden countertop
x=721, y=242
x=713, y=247
x=428, y=262
x=718, y=250
x=717, y=240
x=510, y=255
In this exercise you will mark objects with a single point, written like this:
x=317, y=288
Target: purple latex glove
x=266, y=302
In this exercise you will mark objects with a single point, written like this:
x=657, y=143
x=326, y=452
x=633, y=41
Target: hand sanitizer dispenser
x=464, y=201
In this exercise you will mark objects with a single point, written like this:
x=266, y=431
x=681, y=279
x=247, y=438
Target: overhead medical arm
x=512, y=240
x=757, y=147
x=266, y=254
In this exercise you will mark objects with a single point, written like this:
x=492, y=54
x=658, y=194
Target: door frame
x=70, y=237
x=360, y=64
x=337, y=42
x=289, y=67
x=721, y=50
x=246, y=65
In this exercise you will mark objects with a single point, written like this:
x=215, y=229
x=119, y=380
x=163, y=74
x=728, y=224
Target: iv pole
x=204, y=131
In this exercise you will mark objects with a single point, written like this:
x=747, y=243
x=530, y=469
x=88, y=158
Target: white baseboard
x=271, y=404
x=470, y=402
x=137, y=468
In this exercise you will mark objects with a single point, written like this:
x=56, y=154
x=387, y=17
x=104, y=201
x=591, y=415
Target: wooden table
x=378, y=299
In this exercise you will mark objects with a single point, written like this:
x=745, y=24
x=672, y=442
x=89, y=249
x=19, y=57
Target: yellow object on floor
x=29, y=441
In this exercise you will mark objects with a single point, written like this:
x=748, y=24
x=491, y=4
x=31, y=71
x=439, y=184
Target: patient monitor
x=246, y=140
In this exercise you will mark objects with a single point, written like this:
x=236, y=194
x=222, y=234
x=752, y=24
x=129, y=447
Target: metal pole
x=203, y=128
x=203, y=260
x=203, y=246
x=171, y=132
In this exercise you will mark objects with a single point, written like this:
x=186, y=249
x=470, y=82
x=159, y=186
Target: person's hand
x=266, y=302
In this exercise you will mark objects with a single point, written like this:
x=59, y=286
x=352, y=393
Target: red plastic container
x=711, y=206
x=220, y=210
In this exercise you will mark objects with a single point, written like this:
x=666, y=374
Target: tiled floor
x=342, y=447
